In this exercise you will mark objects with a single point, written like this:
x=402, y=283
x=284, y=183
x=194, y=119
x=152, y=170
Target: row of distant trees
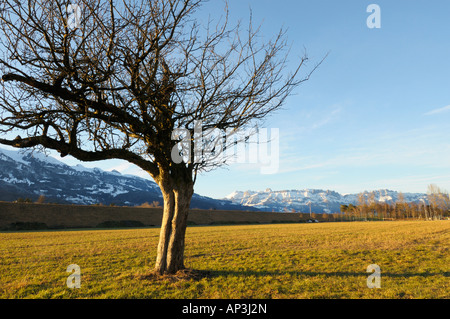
x=40, y=200
x=436, y=207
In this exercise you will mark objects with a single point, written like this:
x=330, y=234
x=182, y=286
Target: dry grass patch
x=326, y=260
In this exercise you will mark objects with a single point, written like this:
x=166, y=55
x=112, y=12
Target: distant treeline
x=437, y=207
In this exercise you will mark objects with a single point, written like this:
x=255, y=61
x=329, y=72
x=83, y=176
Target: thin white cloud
x=439, y=110
x=327, y=119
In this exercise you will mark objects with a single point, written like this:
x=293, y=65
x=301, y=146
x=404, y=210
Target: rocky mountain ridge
x=314, y=200
x=26, y=174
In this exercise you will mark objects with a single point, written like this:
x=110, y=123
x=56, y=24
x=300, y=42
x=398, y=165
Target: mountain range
x=26, y=174
x=313, y=200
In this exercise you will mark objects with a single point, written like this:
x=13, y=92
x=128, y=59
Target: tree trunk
x=161, y=257
x=170, y=254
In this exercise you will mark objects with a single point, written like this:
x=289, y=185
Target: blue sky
x=376, y=114
x=373, y=115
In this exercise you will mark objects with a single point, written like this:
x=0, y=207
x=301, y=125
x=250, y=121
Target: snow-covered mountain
x=26, y=174
x=320, y=201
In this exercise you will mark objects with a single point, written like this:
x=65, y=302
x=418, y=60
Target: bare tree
x=120, y=77
x=371, y=202
x=352, y=209
x=400, y=205
x=362, y=205
x=438, y=200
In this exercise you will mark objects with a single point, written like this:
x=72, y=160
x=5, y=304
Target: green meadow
x=324, y=260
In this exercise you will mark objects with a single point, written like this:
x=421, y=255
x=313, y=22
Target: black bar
x=219, y=308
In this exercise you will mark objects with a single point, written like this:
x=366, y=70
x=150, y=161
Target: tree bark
x=166, y=224
x=170, y=254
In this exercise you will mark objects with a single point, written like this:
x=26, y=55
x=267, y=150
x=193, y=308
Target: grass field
x=325, y=260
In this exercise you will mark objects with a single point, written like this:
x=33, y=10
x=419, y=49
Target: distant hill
x=26, y=174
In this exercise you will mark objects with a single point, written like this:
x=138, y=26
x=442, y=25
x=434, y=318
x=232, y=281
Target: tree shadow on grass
x=197, y=275
x=181, y=275
x=318, y=274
